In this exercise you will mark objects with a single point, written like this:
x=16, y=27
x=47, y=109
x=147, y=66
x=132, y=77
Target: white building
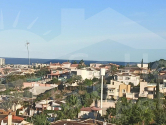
x=145, y=66
x=88, y=73
x=127, y=78
x=39, y=65
x=66, y=65
x=2, y=61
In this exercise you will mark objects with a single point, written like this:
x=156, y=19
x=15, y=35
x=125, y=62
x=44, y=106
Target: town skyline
x=72, y=28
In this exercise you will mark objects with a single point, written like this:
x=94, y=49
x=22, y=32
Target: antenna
x=27, y=44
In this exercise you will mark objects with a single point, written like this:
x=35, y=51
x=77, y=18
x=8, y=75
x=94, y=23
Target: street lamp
x=102, y=72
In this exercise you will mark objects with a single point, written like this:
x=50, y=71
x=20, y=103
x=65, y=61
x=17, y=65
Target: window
x=112, y=83
x=123, y=90
x=111, y=90
x=127, y=78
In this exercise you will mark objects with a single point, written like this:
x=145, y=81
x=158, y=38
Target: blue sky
x=56, y=28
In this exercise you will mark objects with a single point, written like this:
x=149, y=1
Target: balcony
x=150, y=88
x=129, y=95
x=150, y=96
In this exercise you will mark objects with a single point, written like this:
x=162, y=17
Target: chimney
x=10, y=119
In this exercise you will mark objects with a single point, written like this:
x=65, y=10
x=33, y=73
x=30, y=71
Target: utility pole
x=27, y=44
x=102, y=72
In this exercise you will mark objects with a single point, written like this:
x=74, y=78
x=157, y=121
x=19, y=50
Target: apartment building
x=147, y=90
x=128, y=78
x=2, y=61
x=117, y=89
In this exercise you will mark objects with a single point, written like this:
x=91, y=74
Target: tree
x=88, y=82
x=95, y=95
x=160, y=117
x=81, y=66
x=113, y=69
x=74, y=62
x=110, y=112
x=7, y=104
x=18, y=83
x=64, y=113
x=71, y=109
x=131, y=84
x=145, y=108
x=95, y=79
x=129, y=112
x=86, y=99
x=54, y=81
x=28, y=94
x=142, y=63
x=81, y=62
x=40, y=119
x=42, y=72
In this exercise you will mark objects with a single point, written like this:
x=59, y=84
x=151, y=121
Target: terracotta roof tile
x=74, y=65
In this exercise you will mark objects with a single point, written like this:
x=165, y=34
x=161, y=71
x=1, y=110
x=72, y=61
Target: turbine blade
x=46, y=33
x=30, y=25
x=16, y=20
x=1, y=21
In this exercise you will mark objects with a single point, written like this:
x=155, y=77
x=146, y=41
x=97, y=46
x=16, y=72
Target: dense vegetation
x=157, y=64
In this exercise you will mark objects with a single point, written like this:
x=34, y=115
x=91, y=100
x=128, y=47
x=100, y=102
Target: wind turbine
x=27, y=44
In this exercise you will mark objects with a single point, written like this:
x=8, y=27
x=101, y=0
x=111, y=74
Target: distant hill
x=112, y=50
x=157, y=64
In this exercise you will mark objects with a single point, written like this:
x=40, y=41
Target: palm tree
x=75, y=104
x=71, y=109
x=40, y=120
x=64, y=112
x=113, y=70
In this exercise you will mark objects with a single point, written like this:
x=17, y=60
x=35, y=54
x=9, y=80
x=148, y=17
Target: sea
x=47, y=61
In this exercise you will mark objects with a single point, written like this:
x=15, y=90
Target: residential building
x=95, y=65
x=2, y=61
x=117, y=89
x=145, y=66
x=147, y=89
x=55, y=65
x=73, y=67
x=113, y=89
x=13, y=120
x=106, y=66
x=106, y=104
x=88, y=73
x=66, y=64
x=59, y=72
x=123, y=89
x=39, y=65
x=128, y=78
x=88, y=112
x=134, y=70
